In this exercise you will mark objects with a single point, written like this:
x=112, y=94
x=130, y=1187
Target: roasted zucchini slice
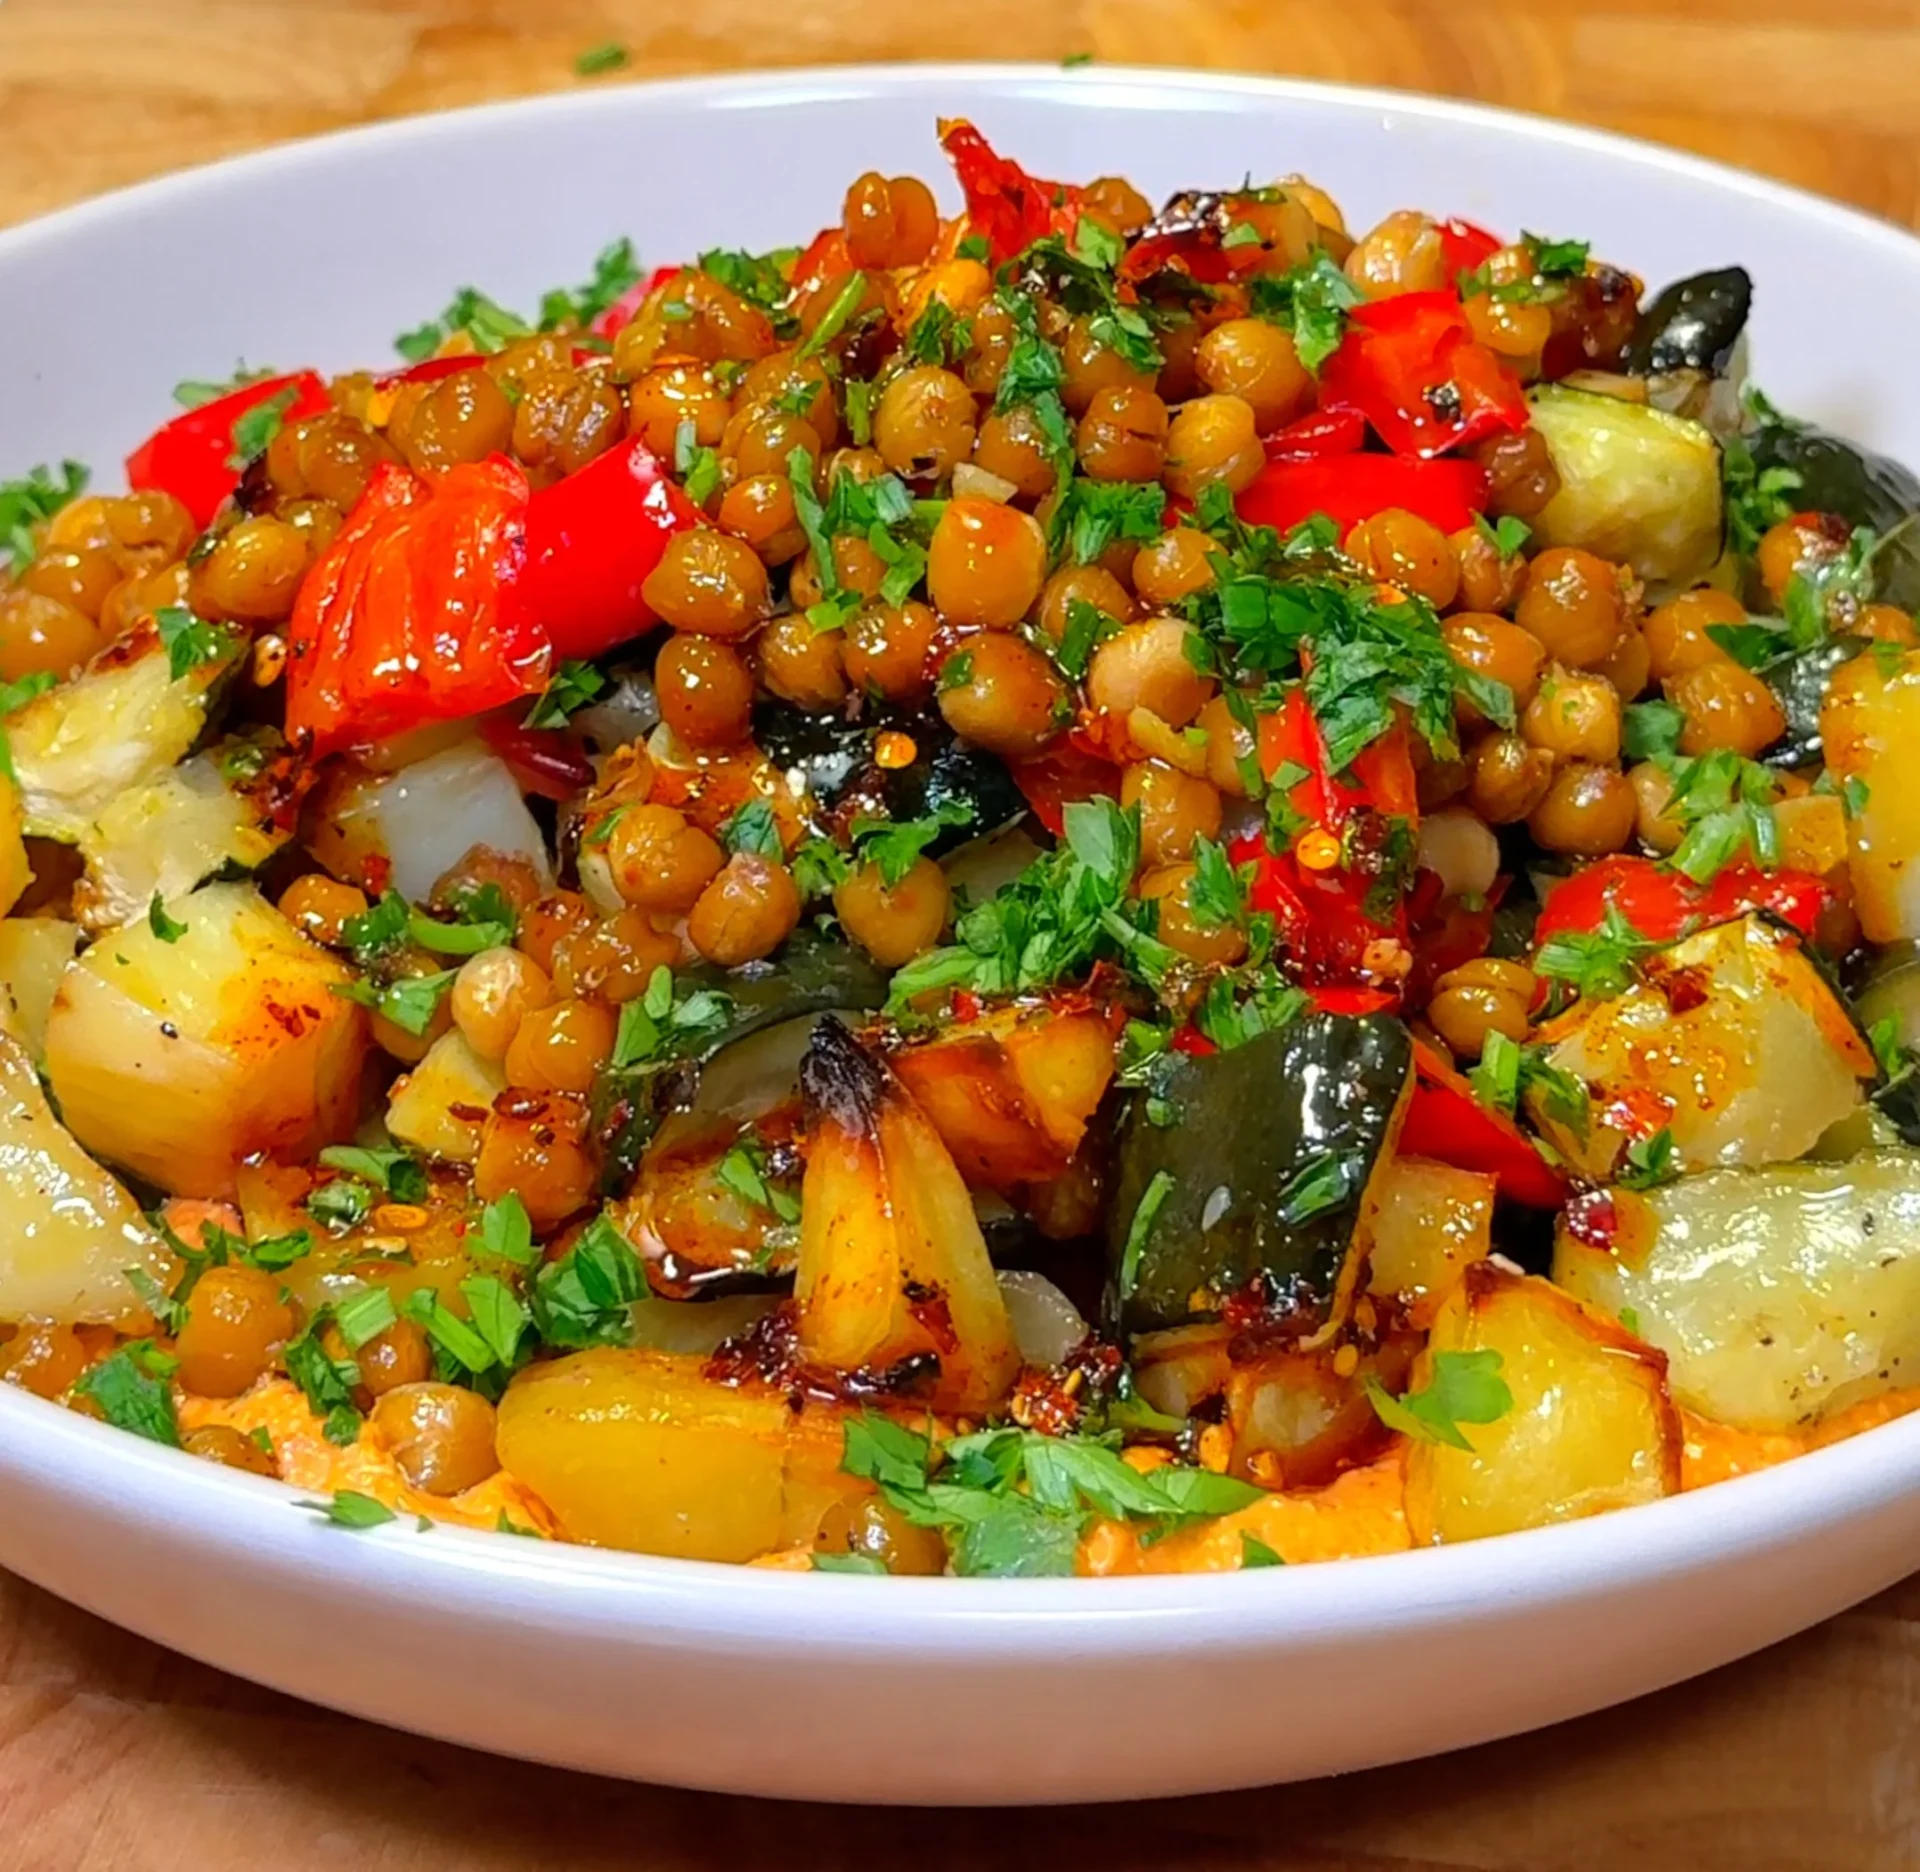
x=1636, y=484
x=1779, y=1296
x=1262, y=1161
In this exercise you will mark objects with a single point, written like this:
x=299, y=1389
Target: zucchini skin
x=1866, y=489
x=1245, y=1124
x=1693, y=324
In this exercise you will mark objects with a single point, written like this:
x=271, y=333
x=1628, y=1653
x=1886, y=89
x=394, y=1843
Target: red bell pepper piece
x=405, y=618
x=1061, y=778
x=430, y=370
x=1351, y=488
x=548, y=762
x=1318, y=435
x=1006, y=206
x=443, y=600
x=592, y=541
x=825, y=258
x=1412, y=366
x=1446, y=1122
x=194, y=457
x=1321, y=911
x=1663, y=905
x=1466, y=246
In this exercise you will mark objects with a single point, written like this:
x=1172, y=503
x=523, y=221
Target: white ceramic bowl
x=846, y=1688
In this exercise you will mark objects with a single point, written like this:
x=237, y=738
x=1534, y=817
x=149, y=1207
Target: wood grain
x=118, y=1757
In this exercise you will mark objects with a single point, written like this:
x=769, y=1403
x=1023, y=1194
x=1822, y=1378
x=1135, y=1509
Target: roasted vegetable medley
x=1070, y=888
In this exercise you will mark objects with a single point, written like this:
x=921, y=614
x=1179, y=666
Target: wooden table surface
x=115, y=1755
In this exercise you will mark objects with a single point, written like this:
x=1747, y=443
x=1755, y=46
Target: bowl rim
x=153, y=1488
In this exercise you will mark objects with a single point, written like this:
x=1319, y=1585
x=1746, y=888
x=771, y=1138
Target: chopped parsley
x=1648, y=1162
x=193, y=393
x=1595, y=964
x=484, y=918
x=1092, y=515
x=896, y=846
x=487, y=324
x=753, y=829
x=616, y=271
x=1755, y=498
x=1725, y=802
x=326, y=1382
x=161, y=924
x=1463, y=1388
x=1652, y=730
x=586, y=1297
x=398, y=1173
x=1013, y=1504
x=1140, y=1230
x=133, y=1389
x=254, y=428
x=31, y=499
x=348, y=1508
x=663, y=1024
x=1508, y=1071
x=1506, y=535
x=411, y=1002
x=698, y=467
x=744, y=1171
x=1254, y=1552
x=506, y=1231
x=1217, y=895
x=573, y=687
x=190, y=641
x=1312, y=303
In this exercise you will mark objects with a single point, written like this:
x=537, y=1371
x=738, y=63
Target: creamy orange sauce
x=1716, y=1452
x=308, y=1461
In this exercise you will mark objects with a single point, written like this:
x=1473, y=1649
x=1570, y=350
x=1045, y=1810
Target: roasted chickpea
x=43, y=1358
x=400, y=1355
x=1181, y=927
x=851, y=297
x=999, y=691
x=1174, y=566
x=1082, y=584
x=873, y=1527
x=1092, y=366
x=534, y=1143
x=1213, y=438
x=925, y=423
x=462, y=417
x=1726, y=707
x=1506, y=778
x=985, y=563
x=963, y=285
x=317, y=906
x=1464, y=1014
x=659, y=861
x=1795, y=544
x=1402, y=549
x=494, y=991
x=81, y=577
x=1574, y=604
x=1656, y=827
x=673, y=393
x=557, y=916
x=1586, y=810
x=1283, y=233
x=1630, y=665
x=759, y=440
x=708, y=582
x=615, y=958
x=1885, y=623
x=782, y=376
x=252, y=573
x=1676, y=632
x=1148, y=665
x=1123, y=435
x=1514, y=331
x=565, y=419
x=1403, y=254
x=705, y=689
x=43, y=636
x=513, y=874
x=1574, y=717
x=560, y=1046
x=399, y=1042
x=440, y=1436
x=135, y=598
x=1490, y=646
x=329, y=457
x=1179, y=342
x=223, y=1444
x=1488, y=582
x=1230, y=745
x=1253, y=359
x=1116, y=204
x=760, y=510
x=237, y=1321
x=747, y=912
x=886, y=648
x=801, y=665
x=1175, y=809
x=1521, y=477
x=1013, y=446
x=890, y=222
x=893, y=923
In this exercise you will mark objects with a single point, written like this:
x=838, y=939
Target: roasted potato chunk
x=1591, y=1426
x=1433, y=1223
